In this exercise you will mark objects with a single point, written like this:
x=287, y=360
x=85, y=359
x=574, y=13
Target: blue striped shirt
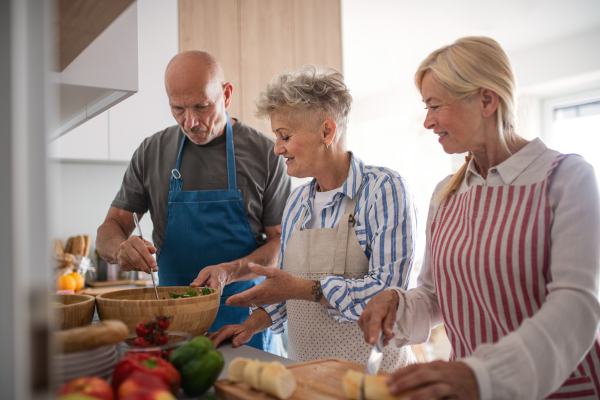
x=385, y=228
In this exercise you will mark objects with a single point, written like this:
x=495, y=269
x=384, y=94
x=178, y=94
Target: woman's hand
x=379, y=313
x=278, y=287
x=434, y=380
x=214, y=276
x=239, y=334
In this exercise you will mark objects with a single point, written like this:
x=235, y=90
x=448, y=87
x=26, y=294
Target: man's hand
x=278, y=287
x=434, y=380
x=379, y=313
x=135, y=254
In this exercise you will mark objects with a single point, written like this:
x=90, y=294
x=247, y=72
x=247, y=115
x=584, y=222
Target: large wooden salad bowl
x=193, y=315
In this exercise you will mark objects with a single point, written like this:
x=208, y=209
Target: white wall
x=85, y=192
x=554, y=47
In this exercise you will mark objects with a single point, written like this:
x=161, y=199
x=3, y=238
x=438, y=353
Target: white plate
x=86, y=361
x=84, y=355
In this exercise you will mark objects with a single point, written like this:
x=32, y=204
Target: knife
x=373, y=363
x=137, y=225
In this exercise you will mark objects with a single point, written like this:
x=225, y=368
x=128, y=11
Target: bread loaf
x=69, y=245
x=87, y=243
x=91, y=336
x=78, y=246
x=272, y=378
x=375, y=387
x=57, y=247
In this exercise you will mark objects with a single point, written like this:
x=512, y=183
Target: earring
x=326, y=146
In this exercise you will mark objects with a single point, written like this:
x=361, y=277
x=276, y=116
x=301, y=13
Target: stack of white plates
x=98, y=362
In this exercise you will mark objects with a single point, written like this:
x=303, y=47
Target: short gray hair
x=318, y=90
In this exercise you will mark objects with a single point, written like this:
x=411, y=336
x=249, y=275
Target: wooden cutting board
x=97, y=291
x=111, y=283
x=315, y=380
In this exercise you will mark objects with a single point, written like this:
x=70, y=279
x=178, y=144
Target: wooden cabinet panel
x=256, y=40
x=267, y=47
x=213, y=26
x=81, y=21
x=318, y=33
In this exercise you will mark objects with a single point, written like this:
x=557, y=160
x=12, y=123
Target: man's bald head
x=198, y=95
x=193, y=68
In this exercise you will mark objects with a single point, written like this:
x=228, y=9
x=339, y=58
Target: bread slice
x=276, y=380
x=351, y=383
x=252, y=373
x=375, y=387
x=235, y=371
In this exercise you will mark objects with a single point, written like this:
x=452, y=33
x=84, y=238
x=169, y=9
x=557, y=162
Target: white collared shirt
x=536, y=358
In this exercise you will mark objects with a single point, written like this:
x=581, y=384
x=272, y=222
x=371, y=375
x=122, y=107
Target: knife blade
x=376, y=356
x=137, y=225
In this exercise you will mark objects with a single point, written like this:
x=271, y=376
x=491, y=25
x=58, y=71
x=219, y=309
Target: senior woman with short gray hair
x=346, y=235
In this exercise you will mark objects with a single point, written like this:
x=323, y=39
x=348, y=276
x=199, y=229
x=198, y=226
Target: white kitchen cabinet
x=115, y=134
x=101, y=75
x=86, y=142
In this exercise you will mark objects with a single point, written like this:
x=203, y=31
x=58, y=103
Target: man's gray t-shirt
x=261, y=176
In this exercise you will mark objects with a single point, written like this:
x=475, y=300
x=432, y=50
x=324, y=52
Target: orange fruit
x=66, y=282
x=78, y=280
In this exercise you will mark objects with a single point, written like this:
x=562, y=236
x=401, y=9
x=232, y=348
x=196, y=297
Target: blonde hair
x=464, y=68
x=316, y=91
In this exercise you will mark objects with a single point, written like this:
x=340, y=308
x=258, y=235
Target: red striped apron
x=490, y=257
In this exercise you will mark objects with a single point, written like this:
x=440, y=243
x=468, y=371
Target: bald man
x=214, y=188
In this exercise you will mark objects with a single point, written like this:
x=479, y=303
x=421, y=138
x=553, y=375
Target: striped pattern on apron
x=490, y=257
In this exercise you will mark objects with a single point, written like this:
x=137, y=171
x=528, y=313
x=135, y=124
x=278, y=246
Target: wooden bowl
x=78, y=310
x=193, y=315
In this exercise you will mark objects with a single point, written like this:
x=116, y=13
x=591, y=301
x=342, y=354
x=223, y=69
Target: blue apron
x=209, y=227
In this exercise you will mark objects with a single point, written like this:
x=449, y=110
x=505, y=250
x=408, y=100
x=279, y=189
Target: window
x=572, y=125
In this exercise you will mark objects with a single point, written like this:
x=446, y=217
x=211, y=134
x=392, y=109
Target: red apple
x=150, y=394
x=88, y=386
x=138, y=381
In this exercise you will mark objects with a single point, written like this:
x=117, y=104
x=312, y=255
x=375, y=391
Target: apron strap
x=346, y=223
x=176, y=182
x=230, y=156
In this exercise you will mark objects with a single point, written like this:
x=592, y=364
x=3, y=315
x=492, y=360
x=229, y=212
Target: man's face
x=198, y=102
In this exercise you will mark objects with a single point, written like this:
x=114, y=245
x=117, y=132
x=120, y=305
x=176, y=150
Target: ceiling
x=395, y=35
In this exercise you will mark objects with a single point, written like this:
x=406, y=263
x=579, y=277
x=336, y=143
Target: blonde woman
x=346, y=235
x=512, y=256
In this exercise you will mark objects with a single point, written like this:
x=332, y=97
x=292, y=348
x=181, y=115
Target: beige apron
x=313, y=333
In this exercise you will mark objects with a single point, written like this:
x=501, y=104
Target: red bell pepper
x=147, y=364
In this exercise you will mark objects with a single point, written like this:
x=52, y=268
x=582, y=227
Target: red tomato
x=144, y=328
x=141, y=342
x=162, y=338
x=163, y=323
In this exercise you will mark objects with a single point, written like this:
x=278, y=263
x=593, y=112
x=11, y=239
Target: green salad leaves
x=191, y=293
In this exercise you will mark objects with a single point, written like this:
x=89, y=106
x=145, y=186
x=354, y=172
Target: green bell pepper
x=199, y=365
